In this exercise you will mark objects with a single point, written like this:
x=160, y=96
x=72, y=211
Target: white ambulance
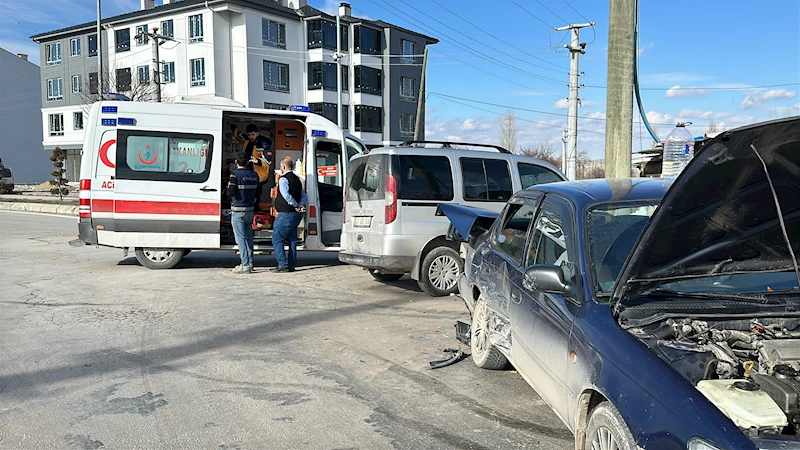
x=153, y=176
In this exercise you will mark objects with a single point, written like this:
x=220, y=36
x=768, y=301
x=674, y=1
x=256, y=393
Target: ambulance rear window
x=164, y=156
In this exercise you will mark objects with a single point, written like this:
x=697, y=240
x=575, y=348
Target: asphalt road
x=99, y=352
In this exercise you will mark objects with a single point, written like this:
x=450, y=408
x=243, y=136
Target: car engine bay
x=749, y=368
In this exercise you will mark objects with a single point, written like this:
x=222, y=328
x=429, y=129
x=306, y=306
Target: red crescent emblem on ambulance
x=104, y=153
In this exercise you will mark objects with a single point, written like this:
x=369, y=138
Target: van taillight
x=85, y=201
x=391, y=199
x=312, y=212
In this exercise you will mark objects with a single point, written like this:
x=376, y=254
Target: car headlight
x=701, y=444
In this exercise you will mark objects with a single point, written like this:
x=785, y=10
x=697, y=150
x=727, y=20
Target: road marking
x=63, y=216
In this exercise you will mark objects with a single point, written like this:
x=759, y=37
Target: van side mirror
x=544, y=278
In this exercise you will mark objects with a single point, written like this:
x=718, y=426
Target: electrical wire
x=532, y=14
x=483, y=54
x=594, y=32
x=486, y=32
x=552, y=12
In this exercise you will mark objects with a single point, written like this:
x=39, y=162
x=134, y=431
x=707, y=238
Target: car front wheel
x=607, y=430
x=485, y=355
x=158, y=258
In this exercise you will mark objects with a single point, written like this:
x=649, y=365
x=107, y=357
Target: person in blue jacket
x=242, y=189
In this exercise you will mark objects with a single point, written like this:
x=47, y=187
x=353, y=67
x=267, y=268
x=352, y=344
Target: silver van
x=390, y=223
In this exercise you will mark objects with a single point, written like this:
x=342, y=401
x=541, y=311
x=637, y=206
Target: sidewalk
x=39, y=204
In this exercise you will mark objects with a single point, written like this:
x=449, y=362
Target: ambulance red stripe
x=149, y=207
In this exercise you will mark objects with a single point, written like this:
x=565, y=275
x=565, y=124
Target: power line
x=490, y=34
x=463, y=62
x=553, y=13
x=594, y=32
x=487, y=45
x=532, y=14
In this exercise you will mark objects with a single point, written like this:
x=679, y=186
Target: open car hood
x=720, y=216
x=467, y=221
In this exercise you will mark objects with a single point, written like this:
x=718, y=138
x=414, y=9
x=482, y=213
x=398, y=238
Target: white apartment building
x=260, y=53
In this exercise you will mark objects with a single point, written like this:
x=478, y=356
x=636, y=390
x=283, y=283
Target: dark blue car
x=652, y=314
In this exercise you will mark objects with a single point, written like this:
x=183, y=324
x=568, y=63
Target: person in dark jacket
x=242, y=191
x=290, y=204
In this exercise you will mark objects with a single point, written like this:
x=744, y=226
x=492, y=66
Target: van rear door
x=365, y=205
x=168, y=177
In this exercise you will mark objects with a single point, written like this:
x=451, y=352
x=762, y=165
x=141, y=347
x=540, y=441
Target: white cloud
x=678, y=91
x=453, y=138
x=642, y=49
x=330, y=7
x=561, y=104
x=674, y=77
x=756, y=98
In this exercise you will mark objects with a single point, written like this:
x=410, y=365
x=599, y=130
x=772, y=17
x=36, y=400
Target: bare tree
x=543, y=150
x=712, y=127
x=586, y=168
x=136, y=89
x=508, y=131
x=59, y=181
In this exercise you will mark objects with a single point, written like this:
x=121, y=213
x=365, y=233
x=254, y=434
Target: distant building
x=21, y=121
x=261, y=53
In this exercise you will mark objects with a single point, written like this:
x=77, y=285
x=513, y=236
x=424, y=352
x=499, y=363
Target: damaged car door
x=541, y=321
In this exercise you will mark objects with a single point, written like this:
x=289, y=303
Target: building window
x=141, y=35
x=268, y=105
x=168, y=72
x=54, y=89
x=409, y=49
x=345, y=78
x=367, y=40
x=123, y=79
x=77, y=120
x=77, y=84
x=322, y=34
x=75, y=46
x=368, y=80
x=167, y=29
x=326, y=110
x=196, y=28
x=92, y=41
x=369, y=119
x=144, y=74
x=93, y=83
x=52, y=53
x=56, y=124
x=276, y=76
x=273, y=33
x=323, y=76
x=198, y=71
x=407, y=124
x=345, y=39
x=345, y=117
x=123, y=40
x=408, y=88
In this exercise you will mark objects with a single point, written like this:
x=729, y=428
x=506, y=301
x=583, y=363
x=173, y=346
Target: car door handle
x=208, y=189
x=515, y=296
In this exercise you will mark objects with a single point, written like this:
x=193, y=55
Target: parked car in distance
x=390, y=223
x=650, y=315
x=8, y=180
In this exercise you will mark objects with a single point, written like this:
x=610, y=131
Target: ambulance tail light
x=312, y=212
x=391, y=199
x=85, y=200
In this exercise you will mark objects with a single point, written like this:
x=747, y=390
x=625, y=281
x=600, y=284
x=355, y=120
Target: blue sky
x=504, y=52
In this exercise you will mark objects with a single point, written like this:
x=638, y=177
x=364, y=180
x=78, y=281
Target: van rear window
x=366, y=178
x=531, y=175
x=423, y=177
x=486, y=180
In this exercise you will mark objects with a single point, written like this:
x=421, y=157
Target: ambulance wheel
x=441, y=268
x=159, y=258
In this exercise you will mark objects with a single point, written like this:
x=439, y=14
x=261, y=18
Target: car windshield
x=613, y=230
x=737, y=283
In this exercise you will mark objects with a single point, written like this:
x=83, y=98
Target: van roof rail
x=448, y=144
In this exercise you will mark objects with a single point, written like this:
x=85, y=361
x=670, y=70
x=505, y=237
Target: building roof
x=175, y=5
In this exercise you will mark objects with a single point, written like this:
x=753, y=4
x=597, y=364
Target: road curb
x=64, y=210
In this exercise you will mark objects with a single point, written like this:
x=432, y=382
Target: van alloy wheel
x=444, y=272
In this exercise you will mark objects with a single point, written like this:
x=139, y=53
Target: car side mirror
x=544, y=278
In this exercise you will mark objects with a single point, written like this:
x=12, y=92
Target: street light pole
x=99, y=55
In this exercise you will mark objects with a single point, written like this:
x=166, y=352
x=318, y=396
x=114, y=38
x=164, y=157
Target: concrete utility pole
x=619, y=95
x=99, y=55
x=338, y=58
x=421, y=100
x=564, y=140
x=575, y=50
x=157, y=41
